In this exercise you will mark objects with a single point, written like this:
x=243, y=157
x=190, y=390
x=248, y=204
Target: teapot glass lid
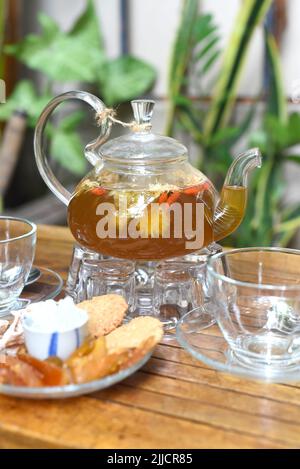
x=141, y=144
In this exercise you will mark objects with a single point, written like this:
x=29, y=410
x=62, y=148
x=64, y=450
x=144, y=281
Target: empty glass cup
x=200, y=314
x=106, y=276
x=73, y=276
x=17, y=249
x=256, y=296
x=172, y=291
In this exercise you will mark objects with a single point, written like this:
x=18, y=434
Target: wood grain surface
x=175, y=401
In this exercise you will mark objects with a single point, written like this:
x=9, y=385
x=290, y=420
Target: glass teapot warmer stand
x=144, y=278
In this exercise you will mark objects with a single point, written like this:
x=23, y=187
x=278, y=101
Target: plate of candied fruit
x=54, y=350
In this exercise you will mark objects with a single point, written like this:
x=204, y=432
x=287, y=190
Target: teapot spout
x=239, y=170
x=231, y=207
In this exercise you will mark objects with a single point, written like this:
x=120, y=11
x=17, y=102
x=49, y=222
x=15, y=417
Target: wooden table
x=173, y=402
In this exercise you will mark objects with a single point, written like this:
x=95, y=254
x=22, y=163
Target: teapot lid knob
x=142, y=110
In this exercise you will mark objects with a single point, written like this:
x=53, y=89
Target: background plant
x=64, y=57
x=268, y=220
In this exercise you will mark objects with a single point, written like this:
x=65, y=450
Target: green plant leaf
x=196, y=43
x=216, y=162
x=182, y=47
x=223, y=135
x=293, y=158
x=277, y=188
x=283, y=239
x=207, y=57
x=266, y=210
x=282, y=135
x=189, y=122
x=72, y=121
x=66, y=149
x=217, y=168
x=276, y=102
x=204, y=27
x=209, y=62
x=49, y=26
x=249, y=16
x=182, y=101
x=244, y=125
x=207, y=48
x=278, y=132
x=263, y=186
x=206, y=44
x=259, y=138
x=74, y=56
x=293, y=130
x=181, y=56
x=125, y=78
x=24, y=98
x=290, y=212
x=290, y=225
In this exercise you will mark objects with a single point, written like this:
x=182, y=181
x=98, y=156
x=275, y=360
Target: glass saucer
x=72, y=390
x=47, y=286
x=210, y=347
x=34, y=275
x=197, y=319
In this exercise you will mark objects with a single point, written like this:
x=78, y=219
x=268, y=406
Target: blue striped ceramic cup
x=42, y=344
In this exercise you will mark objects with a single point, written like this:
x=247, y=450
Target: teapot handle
x=41, y=158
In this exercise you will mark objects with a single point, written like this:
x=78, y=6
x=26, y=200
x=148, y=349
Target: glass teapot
x=143, y=200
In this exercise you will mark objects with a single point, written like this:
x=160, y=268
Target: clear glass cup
x=172, y=291
x=199, y=284
x=181, y=292
x=17, y=249
x=73, y=276
x=202, y=314
x=106, y=276
x=256, y=297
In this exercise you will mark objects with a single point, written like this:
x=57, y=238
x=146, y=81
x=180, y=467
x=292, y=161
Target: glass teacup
x=256, y=296
x=17, y=249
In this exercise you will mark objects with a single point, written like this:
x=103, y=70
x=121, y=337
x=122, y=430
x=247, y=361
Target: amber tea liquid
x=83, y=220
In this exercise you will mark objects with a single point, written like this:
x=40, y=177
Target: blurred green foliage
x=76, y=55
x=268, y=221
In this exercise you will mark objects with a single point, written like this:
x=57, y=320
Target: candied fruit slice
x=50, y=374
x=88, y=366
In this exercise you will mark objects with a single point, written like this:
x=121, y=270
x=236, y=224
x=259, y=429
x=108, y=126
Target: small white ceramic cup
x=43, y=344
